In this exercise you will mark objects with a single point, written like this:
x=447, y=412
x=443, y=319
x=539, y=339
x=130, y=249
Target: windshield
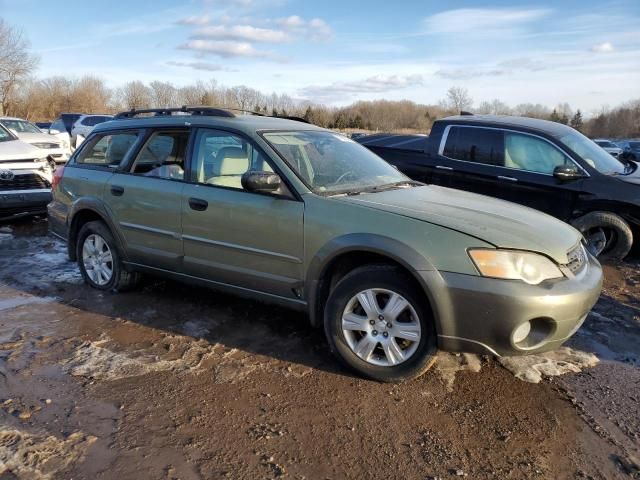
x=591, y=153
x=20, y=126
x=5, y=135
x=606, y=144
x=330, y=163
x=634, y=145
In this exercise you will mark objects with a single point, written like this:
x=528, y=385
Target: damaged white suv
x=25, y=178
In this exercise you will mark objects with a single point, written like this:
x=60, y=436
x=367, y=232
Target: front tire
x=608, y=236
x=378, y=324
x=99, y=260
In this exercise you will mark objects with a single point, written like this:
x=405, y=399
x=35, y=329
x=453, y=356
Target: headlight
x=529, y=267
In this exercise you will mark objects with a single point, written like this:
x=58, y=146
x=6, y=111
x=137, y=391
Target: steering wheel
x=343, y=176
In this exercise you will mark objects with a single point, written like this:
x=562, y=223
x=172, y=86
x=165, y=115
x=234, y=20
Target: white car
x=609, y=146
x=84, y=125
x=53, y=148
x=25, y=178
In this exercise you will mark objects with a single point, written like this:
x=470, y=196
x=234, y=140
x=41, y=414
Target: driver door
x=232, y=236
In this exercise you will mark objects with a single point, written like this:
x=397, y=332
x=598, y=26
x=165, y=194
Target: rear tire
x=372, y=338
x=608, y=236
x=99, y=259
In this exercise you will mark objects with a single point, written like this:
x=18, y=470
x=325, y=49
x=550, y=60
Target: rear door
x=233, y=236
x=145, y=199
x=468, y=159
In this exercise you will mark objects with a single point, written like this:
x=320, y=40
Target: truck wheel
x=99, y=260
x=378, y=324
x=608, y=236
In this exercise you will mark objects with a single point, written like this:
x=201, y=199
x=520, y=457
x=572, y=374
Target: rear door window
x=478, y=145
x=163, y=155
x=107, y=150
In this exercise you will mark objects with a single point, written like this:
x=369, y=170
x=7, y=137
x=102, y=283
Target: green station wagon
x=283, y=211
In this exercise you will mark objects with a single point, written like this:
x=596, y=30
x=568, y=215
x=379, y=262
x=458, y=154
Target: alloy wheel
x=97, y=259
x=381, y=327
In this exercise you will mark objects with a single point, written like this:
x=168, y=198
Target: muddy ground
x=178, y=382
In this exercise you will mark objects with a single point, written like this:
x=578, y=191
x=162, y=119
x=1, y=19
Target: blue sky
x=584, y=52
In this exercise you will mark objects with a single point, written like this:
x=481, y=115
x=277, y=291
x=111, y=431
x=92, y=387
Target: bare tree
x=163, y=94
x=16, y=62
x=135, y=94
x=494, y=107
x=458, y=99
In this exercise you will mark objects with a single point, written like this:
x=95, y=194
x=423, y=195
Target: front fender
x=388, y=247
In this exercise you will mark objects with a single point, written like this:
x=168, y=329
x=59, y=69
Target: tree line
x=43, y=99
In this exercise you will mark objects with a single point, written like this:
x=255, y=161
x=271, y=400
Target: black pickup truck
x=544, y=165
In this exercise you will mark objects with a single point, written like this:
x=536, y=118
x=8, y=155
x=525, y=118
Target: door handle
x=442, y=167
x=198, y=204
x=508, y=179
x=117, y=190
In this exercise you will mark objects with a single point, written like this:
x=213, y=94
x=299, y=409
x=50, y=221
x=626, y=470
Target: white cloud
x=292, y=22
x=243, y=33
x=374, y=84
x=605, y=47
x=479, y=20
x=315, y=29
x=206, y=66
x=194, y=20
x=225, y=49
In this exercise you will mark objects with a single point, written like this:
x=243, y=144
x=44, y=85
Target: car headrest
x=232, y=161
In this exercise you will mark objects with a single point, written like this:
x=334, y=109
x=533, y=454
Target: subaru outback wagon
x=284, y=211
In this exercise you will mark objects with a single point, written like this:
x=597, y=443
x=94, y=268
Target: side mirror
x=53, y=131
x=258, y=181
x=567, y=174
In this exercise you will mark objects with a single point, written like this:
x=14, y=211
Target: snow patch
x=36, y=261
x=449, y=364
x=532, y=368
x=39, y=457
x=94, y=361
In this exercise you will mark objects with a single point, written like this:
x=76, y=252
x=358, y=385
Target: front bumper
x=480, y=315
x=23, y=203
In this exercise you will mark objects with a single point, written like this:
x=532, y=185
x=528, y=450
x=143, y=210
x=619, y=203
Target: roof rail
x=465, y=113
x=200, y=110
x=205, y=111
x=288, y=117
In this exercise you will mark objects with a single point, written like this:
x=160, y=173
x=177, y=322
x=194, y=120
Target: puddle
x=10, y=303
x=40, y=457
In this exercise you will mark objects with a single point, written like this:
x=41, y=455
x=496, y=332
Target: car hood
x=18, y=150
x=503, y=224
x=37, y=137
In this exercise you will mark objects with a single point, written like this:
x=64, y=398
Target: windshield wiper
x=389, y=186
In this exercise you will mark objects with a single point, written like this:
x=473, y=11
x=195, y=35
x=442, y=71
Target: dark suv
x=541, y=164
x=284, y=211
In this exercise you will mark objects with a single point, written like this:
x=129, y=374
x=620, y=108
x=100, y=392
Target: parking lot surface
x=177, y=382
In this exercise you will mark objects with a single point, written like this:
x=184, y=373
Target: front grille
x=577, y=259
x=29, y=181
x=12, y=212
x=46, y=145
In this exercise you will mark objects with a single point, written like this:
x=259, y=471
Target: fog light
x=521, y=333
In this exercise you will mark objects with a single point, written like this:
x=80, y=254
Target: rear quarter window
x=107, y=150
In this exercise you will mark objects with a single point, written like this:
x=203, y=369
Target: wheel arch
x=343, y=254
x=88, y=210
